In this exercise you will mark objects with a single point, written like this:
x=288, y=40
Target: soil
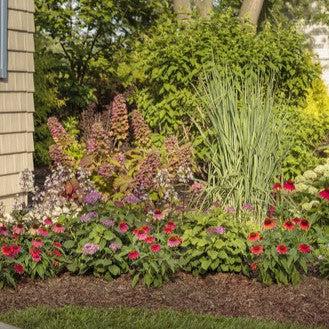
x=220, y=294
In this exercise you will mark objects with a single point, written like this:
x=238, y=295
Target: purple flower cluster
x=115, y=246
x=92, y=197
x=217, y=230
x=248, y=207
x=90, y=248
x=86, y=218
x=107, y=222
x=131, y=199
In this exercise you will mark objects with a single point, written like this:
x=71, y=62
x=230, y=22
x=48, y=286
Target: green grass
x=72, y=317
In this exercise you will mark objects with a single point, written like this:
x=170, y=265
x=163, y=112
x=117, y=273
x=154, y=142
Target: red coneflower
x=169, y=227
x=133, y=255
x=304, y=225
x=18, y=229
x=37, y=243
x=269, y=224
x=296, y=220
x=304, y=248
x=57, y=253
x=149, y=239
x=123, y=227
x=254, y=236
x=289, y=185
x=58, y=228
x=19, y=268
x=155, y=247
x=48, y=221
x=10, y=250
x=282, y=249
x=324, y=194
x=289, y=225
x=57, y=244
x=42, y=231
x=253, y=266
x=257, y=250
x=276, y=187
x=174, y=241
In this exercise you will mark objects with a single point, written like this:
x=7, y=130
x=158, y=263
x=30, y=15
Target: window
x=3, y=38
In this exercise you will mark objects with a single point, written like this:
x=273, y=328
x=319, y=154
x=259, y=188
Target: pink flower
x=37, y=243
x=158, y=214
x=18, y=229
x=141, y=233
x=133, y=255
x=115, y=246
x=42, y=231
x=197, y=187
x=3, y=230
x=174, y=241
x=58, y=228
x=277, y=187
x=48, y=221
x=155, y=247
x=289, y=185
x=35, y=254
x=169, y=227
x=324, y=194
x=19, y=268
x=149, y=239
x=123, y=227
x=10, y=250
x=57, y=244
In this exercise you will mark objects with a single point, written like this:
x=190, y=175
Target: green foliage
x=166, y=64
x=308, y=129
x=281, y=252
x=213, y=242
x=243, y=139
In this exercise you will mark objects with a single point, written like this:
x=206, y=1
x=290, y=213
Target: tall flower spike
x=119, y=118
x=56, y=129
x=141, y=130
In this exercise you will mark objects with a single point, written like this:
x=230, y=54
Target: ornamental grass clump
x=242, y=136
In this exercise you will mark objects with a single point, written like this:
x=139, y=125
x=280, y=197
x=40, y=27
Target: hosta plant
x=281, y=251
x=213, y=242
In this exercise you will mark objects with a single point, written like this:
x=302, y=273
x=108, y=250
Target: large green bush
x=165, y=64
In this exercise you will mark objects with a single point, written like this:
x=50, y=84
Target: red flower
x=57, y=244
x=18, y=229
x=123, y=227
x=296, y=220
x=289, y=185
x=257, y=250
x=253, y=266
x=133, y=255
x=271, y=211
x=158, y=214
x=48, y=221
x=155, y=247
x=289, y=225
x=282, y=249
x=174, y=241
x=3, y=230
x=19, y=268
x=276, y=187
x=254, y=236
x=141, y=233
x=324, y=194
x=269, y=224
x=169, y=227
x=304, y=225
x=10, y=250
x=304, y=248
x=35, y=254
x=58, y=228
x=149, y=239
x=57, y=253
x=37, y=243
x=42, y=231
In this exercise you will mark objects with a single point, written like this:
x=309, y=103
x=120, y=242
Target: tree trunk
x=251, y=10
x=183, y=9
x=204, y=7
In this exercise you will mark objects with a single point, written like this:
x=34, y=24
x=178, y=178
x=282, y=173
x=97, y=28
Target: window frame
x=3, y=39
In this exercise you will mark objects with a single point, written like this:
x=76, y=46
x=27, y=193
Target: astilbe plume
x=119, y=118
x=58, y=156
x=171, y=144
x=145, y=177
x=56, y=129
x=99, y=140
x=141, y=130
x=87, y=119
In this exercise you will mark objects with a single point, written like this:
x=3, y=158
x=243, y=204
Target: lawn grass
x=73, y=317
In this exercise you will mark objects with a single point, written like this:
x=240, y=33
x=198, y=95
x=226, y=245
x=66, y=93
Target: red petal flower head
x=324, y=194
x=10, y=250
x=42, y=231
x=57, y=244
x=35, y=254
x=169, y=227
x=289, y=225
x=155, y=247
x=58, y=228
x=149, y=239
x=37, y=243
x=282, y=249
x=304, y=225
x=133, y=255
x=254, y=236
x=123, y=227
x=48, y=221
x=174, y=241
x=269, y=224
x=57, y=253
x=19, y=268
x=253, y=266
x=289, y=185
x=18, y=229
x=304, y=248
x=276, y=187
x=257, y=250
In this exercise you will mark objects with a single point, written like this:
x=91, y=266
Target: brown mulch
x=220, y=294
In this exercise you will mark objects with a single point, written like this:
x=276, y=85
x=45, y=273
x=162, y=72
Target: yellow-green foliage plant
x=308, y=130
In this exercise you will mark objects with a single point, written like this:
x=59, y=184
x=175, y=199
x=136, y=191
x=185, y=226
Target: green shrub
x=165, y=64
x=213, y=242
x=308, y=131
